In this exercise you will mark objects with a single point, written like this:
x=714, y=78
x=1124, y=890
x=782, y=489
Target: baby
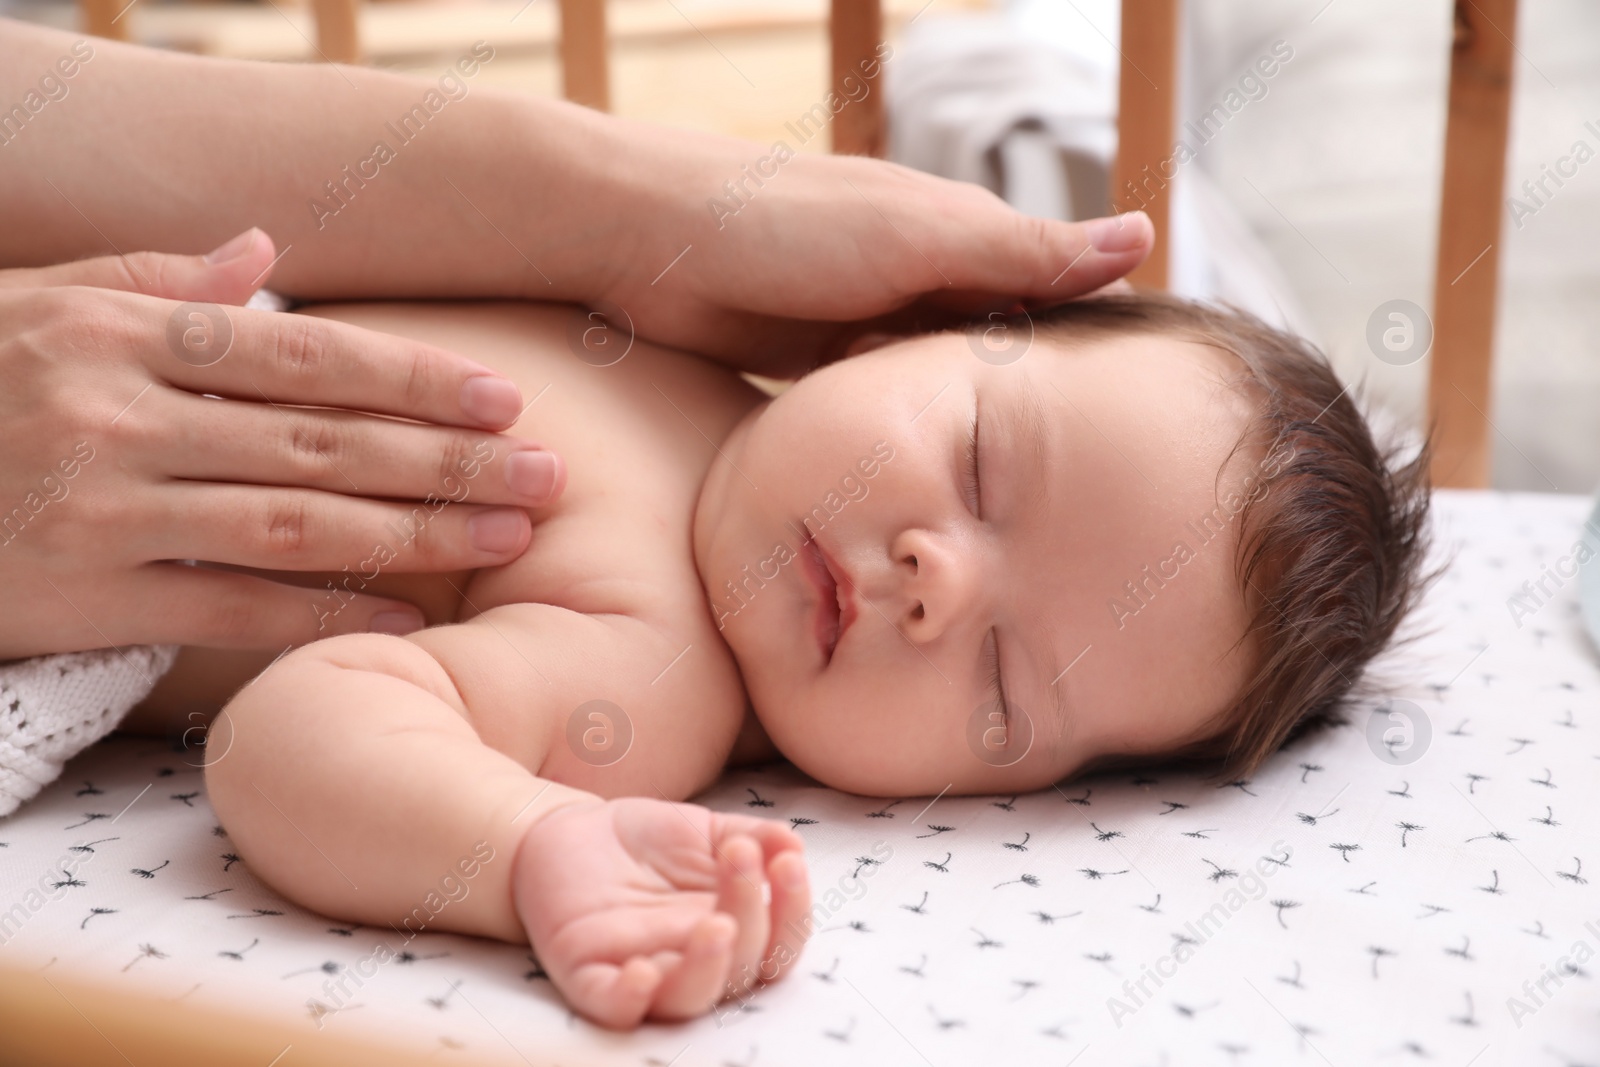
x=1126, y=529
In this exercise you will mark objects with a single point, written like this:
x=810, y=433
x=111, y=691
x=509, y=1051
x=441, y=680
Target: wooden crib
x=44, y=1023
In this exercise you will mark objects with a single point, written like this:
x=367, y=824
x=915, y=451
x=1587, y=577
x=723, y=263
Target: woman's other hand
x=149, y=419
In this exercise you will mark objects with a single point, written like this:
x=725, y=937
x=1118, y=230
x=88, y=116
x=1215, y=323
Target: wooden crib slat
x=338, y=30
x=1146, y=99
x=855, y=27
x=1469, y=241
x=100, y=18
x=585, y=63
x=52, y=1018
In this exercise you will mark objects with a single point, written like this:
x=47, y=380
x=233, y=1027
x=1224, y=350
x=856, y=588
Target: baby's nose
x=937, y=585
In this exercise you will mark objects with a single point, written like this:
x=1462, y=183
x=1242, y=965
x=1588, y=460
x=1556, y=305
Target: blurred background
x=1313, y=203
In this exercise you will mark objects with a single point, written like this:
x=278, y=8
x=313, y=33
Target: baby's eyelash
x=972, y=465
x=992, y=665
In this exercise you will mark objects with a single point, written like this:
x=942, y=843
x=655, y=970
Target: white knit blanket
x=54, y=707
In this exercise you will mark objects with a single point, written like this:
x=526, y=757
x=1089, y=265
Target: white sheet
x=1415, y=900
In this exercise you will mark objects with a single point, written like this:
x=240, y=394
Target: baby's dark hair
x=1333, y=541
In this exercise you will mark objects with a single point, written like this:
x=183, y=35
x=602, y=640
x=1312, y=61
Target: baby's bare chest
x=614, y=553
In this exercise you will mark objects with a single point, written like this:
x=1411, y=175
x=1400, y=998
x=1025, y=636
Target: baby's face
x=908, y=621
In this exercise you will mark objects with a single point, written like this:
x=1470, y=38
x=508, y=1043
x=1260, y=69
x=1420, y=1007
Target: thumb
x=226, y=275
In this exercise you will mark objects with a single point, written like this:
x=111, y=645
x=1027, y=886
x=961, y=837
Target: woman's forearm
x=765, y=257
x=371, y=184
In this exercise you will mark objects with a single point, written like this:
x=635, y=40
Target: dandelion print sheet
x=1419, y=884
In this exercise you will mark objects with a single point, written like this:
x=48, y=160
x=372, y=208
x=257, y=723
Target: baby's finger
x=697, y=983
x=742, y=892
x=791, y=907
x=612, y=996
x=773, y=836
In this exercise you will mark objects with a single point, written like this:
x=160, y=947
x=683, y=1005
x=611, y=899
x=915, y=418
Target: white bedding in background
x=1403, y=909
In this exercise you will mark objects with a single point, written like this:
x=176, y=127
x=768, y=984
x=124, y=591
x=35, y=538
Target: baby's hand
x=641, y=908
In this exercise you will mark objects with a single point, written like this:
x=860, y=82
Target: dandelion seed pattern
x=1026, y=879
x=975, y=922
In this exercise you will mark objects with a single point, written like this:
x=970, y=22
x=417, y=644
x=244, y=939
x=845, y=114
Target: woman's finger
x=228, y=274
x=280, y=529
x=1024, y=257
x=345, y=452
x=187, y=605
x=258, y=356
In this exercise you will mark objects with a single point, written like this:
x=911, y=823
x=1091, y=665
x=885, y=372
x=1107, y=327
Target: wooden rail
x=1467, y=268
x=854, y=29
x=338, y=30
x=585, y=64
x=1146, y=99
x=102, y=18
x=52, y=1019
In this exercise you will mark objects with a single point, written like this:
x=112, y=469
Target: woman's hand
x=136, y=431
x=645, y=909
x=777, y=267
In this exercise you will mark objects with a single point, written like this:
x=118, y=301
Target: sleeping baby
x=1125, y=530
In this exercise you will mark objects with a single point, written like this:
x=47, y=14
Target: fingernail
x=233, y=249
x=1120, y=233
x=497, y=530
x=396, y=622
x=492, y=401
x=531, y=474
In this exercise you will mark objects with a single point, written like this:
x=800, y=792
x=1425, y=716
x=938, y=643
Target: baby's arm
x=366, y=776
